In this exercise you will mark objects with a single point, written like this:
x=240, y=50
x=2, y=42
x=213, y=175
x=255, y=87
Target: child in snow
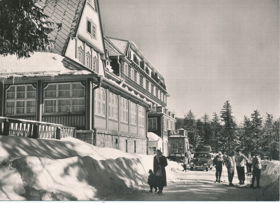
x=152, y=181
x=256, y=163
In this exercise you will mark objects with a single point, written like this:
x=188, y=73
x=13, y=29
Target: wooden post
x=6, y=130
x=39, y=100
x=88, y=104
x=58, y=133
x=2, y=96
x=36, y=133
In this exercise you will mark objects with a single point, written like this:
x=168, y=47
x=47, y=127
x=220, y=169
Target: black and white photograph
x=139, y=100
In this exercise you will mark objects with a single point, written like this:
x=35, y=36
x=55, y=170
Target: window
x=133, y=113
x=88, y=57
x=156, y=92
x=153, y=124
x=136, y=74
x=94, y=64
x=125, y=69
x=100, y=102
x=147, y=85
x=132, y=74
x=113, y=106
x=141, y=80
x=64, y=98
x=91, y=29
x=20, y=100
x=141, y=113
x=124, y=110
x=81, y=54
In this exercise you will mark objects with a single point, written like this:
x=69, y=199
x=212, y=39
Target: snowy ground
x=70, y=169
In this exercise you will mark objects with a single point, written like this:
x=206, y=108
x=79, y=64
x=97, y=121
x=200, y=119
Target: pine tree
x=256, y=129
x=24, y=28
x=191, y=127
x=246, y=137
x=215, y=132
x=229, y=138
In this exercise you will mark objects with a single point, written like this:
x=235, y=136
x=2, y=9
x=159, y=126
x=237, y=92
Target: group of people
x=239, y=160
x=157, y=177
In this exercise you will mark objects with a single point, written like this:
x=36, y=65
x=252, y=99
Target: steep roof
x=66, y=12
x=120, y=44
x=111, y=48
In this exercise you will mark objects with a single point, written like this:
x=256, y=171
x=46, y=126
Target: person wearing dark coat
x=218, y=162
x=152, y=181
x=160, y=163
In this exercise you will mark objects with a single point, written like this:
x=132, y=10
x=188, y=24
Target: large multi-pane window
x=133, y=113
x=153, y=124
x=141, y=121
x=113, y=106
x=20, y=100
x=100, y=102
x=64, y=98
x=124, y=110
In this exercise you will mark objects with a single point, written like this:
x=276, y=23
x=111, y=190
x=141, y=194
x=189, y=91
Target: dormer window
x=91, y=29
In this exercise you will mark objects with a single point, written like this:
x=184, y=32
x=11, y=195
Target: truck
x=203, y=158
x=178, y=146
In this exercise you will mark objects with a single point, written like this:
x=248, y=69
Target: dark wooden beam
x=39, y=100
x=89, y=104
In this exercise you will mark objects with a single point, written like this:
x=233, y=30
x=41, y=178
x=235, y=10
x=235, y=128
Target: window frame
x=58, y=98
x=24, y=99
x=100, y=99
x=153, y=124
x=92, y=31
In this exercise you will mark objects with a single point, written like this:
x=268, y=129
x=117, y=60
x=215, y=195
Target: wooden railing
x=34, y=129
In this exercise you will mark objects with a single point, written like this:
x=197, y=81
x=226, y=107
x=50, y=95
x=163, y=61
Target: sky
x=208, y=51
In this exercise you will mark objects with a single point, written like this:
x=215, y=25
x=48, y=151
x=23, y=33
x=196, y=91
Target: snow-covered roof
x=39, y=64
x=152, y=136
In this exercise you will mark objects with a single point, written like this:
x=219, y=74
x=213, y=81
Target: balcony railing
x=34, y=129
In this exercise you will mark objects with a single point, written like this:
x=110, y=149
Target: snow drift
x=65, y=170
x=69, y=169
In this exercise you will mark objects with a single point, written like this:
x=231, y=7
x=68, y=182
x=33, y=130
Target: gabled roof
x=120, y=44
x=111, y=48
x=66, y=12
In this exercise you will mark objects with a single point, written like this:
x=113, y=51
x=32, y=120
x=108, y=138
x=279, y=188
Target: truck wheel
x=206, y=169
x=191, y=168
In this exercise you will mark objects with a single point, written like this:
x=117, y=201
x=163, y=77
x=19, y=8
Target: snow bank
x=270, y=181
x=65, y=170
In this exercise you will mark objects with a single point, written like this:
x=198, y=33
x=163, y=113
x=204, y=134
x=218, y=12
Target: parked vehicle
x=203, y=158
x=178, y=146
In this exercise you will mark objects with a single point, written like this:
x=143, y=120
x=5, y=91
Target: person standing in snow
x=160, y=163
x=240, y=160
x=256, y=163
x=249, y=164
x=229, y=162
x=218, y=162
x=152, y=181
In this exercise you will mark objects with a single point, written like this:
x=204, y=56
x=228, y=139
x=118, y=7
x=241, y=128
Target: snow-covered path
x=196, y=186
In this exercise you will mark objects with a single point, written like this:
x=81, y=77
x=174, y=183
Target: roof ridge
x=117, y=39
x=112, y=44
